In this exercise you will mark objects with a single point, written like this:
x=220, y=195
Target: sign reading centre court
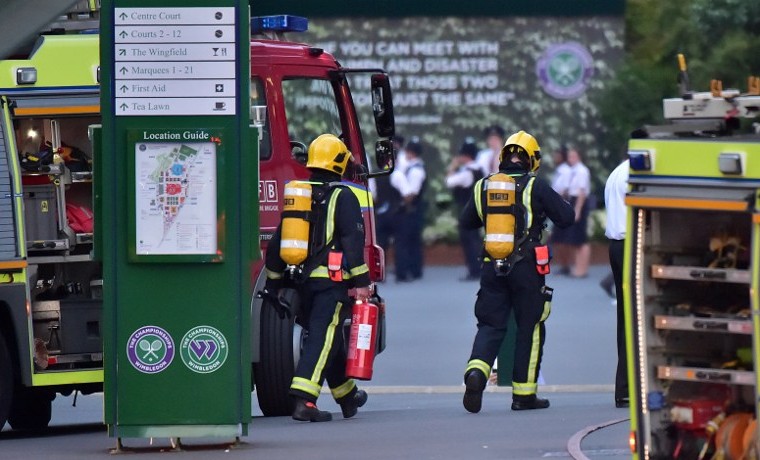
x=174, y=61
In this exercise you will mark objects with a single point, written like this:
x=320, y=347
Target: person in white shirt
x=488, y=158
x=614, y=200
x=578, y=192
x=562, y=252
x=562, y=171
x=409, y=179
x=461, y=176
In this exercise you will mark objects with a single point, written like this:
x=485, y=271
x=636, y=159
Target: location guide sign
x=174, y=61
x=176, y=192
x=177, y=218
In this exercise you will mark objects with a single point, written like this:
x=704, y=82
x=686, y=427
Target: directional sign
x=174, y=52
x=175, y=106
x=174, y=34
x=213, y=88
x=199, y=15
x=183, y=70
x=174, y=61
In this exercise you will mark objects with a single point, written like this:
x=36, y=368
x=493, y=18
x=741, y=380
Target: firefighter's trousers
x=326, y=306
x=519, y=292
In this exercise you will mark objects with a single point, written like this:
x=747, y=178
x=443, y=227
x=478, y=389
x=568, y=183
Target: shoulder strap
x=323, y=223
x=477, y=195
x=477, y=173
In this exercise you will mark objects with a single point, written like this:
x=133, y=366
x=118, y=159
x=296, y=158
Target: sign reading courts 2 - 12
x=176, y=222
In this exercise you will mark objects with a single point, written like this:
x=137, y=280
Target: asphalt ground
x=431, y=326
x=406, y=425
x=415, y=409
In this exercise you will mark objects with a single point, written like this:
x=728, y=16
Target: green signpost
x=177, y=201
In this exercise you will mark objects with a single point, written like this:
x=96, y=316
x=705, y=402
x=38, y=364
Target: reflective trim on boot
x=478, y=364
x=524, y=389
x=345, y=389
x=306, y=386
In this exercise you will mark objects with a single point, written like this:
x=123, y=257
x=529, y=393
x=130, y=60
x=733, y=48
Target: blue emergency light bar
x=279, y=23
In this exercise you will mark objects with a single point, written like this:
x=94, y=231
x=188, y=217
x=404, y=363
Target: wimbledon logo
x=565, y=70
x=203, y=349
x=150, y=349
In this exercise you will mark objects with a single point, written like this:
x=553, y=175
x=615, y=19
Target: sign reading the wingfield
x=176, y=200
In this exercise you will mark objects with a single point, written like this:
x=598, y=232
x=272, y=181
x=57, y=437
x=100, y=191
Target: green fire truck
x=692, y=274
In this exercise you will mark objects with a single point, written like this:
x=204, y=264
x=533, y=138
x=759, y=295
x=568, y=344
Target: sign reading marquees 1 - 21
x=174, y=61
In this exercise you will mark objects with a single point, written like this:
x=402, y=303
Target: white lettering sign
x=174, y=61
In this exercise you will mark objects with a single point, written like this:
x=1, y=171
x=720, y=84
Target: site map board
x=177, y=217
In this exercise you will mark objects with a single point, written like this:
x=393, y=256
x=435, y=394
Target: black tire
x=6, y=382
x=31, y=409
x=274, y=371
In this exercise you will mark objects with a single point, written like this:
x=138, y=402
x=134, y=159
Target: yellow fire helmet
x=329, y=153
x=525, y=142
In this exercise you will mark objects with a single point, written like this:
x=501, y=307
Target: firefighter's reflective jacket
x=336, y=224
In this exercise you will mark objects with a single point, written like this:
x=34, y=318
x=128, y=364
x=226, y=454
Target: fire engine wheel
x=31, y=409
x=6, y=382
x=280, y=349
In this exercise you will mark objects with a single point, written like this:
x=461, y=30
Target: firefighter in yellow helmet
x=513, y=205
x=318, y=250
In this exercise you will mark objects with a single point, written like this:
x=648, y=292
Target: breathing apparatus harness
x=505, y=237
x=304, y=217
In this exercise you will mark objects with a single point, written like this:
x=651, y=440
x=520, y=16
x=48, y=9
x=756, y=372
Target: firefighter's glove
x=273, y=285
x=270, y=297
x=284, y=306
x=362, y=293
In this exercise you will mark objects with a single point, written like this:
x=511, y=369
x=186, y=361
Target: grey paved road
x=431, y=326
x=415, y=398
x=391, y=426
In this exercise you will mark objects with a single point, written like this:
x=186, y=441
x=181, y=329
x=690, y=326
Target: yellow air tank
x=500, y=218
x=294, y=238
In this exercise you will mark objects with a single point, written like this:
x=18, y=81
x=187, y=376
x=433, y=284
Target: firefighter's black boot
x=475, y=383
x=529, y=402
x=351, y=405
x=307, y=411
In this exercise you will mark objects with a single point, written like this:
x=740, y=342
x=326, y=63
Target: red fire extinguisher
x=361, y=342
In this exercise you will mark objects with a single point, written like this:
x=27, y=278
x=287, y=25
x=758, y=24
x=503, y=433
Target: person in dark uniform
x=515, y=284
x=461, y=176
x=387, y=202
x=323, y=281
x=409, y=178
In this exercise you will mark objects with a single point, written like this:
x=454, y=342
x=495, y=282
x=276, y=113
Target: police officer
x=410, y=179
x=517, y=283
x=388, y=201
x=335, y=262
x=461, y=176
